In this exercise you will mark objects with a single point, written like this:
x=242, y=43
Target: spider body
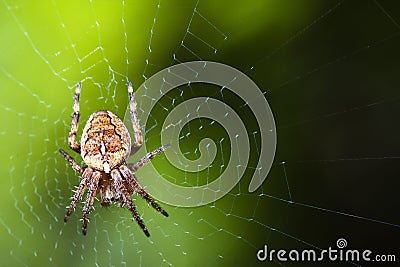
x=105, y=145
x=105, y=141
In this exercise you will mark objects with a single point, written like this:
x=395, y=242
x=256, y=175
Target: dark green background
x=329, y=70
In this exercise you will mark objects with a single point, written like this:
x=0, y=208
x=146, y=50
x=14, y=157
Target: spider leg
x=79, y=192
x=90, y=199
x=71, y=161
x=135, y=166
x=75, y=119
x=119, y=186
x=135, y=121
x=131, y=179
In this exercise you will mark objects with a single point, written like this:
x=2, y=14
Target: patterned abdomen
x=105, y=142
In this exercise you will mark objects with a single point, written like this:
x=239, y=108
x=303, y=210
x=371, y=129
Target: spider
x=105, y=145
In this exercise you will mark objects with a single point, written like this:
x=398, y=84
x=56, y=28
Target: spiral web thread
x=36, y=192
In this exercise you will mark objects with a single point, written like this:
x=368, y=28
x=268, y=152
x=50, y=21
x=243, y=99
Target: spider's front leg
x=132, y=181
x=135, y=121
x=119, y=186
x=75, y=120
x=87, y=174
x=93, y=186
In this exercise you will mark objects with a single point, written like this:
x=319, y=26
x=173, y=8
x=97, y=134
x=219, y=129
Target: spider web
x=329, y=71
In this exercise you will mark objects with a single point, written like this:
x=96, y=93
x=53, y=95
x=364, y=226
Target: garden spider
x=105, y=146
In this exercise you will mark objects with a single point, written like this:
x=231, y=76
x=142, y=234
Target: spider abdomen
x=105, y=142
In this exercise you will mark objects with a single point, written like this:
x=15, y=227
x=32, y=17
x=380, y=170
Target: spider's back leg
x=75, y=120
x=135, y=166
x=71, y=161
x=135, y=121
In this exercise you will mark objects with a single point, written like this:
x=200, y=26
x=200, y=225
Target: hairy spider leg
x=71, y=161
x=132, y=181
x=118, y=184
x=79, y=192
x=135, y=166
x=135, y=121
x=75, y=146
x=90, y=199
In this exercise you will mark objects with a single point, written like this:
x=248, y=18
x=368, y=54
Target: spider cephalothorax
x=105, y=146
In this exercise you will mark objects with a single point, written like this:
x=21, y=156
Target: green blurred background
x=329, y=70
